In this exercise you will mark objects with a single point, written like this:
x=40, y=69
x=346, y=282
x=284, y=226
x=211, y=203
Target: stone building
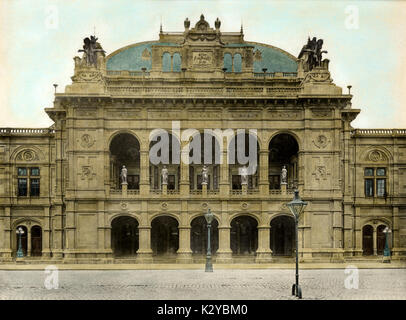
x=63, y=185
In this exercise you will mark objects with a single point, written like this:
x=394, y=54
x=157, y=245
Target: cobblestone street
x=196, y=284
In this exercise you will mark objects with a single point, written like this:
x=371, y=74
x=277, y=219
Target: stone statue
x=244, y=175
x=123, y=175
x=284, y=175
x=205, y=176
x=311, y=53
x=90, y=49
x=217, y=23
x=164, y=175
x=186, y=23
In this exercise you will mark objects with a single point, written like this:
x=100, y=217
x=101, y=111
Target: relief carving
x=321, y=141
x=86, y=141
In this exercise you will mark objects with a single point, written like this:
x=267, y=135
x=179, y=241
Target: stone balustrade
x=378, y=132
x=26, y=131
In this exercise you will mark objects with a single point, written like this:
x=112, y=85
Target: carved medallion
x=321, y=141
x=86, y=141
x=87, y=173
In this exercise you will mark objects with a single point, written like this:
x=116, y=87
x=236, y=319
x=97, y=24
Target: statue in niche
x=244, y=175
x=205, y=176
x=164, y=175
x=123, y=175
x=284, y=175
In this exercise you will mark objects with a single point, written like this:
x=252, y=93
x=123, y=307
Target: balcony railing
x=379, y=132
x=26, y=131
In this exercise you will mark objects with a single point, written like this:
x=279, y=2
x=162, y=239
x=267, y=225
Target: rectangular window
x=369, y=187
x=22, y=187
x=380, y=187
x=22, y=171
x=274, y=182
x=369, y=172
x=34, y=187
x=34, y=171
x=381, y=172
x=236, y=182
x=171, y=182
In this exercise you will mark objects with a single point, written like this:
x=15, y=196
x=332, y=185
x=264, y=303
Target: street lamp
x=209, y=218
x=386, y=251
x=296, y=206
x=20, y=232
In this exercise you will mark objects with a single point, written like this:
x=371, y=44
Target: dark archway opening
x=282, y=236
x=198, y=236
x=380, y=239
x=283, y=151
x=367, y=240
x=36, y=241
x=124, y=236
x=164, y=236
x=244, y=235
x=125, y=150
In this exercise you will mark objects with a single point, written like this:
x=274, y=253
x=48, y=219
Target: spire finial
x=160, y=26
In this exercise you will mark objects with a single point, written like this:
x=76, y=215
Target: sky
x=365, y=40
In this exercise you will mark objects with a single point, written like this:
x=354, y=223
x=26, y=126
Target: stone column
x=6, y=251
x=224, y=253
x=57, y=232
x=358, y=233
x=144, y=170
x=224, y=174
x=46, y=251
x=263, y=172
x=144, y=252
x=70, y=230
x=184, y=183
x=29, y=241
x=184, y=253
x=264, y=252
x=375, y=241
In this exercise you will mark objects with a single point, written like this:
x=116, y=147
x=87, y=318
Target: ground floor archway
x=124, y=236
x=367, y=240
x=36, y=241
x=282, y=236
x=380, y=239
x=244, y=235
x=164, y=235
x=198, y=236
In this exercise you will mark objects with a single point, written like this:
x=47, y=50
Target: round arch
x=164, y=235
x=124, y=235
x=289, y=132
x=199, y=235
x=282, y=235
x=244, y=235
x=117, y=133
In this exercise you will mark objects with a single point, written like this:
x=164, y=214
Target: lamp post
x=296, y=207
x=209, y=218
x=386, y=251
x=20, y=232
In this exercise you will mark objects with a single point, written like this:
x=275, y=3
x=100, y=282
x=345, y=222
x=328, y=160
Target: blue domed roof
x=133, y=57
x=138, y=56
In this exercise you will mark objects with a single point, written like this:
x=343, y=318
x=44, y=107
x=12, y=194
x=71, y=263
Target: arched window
x=237, y=62
x=177, y=62
x=166, y=62
x=228, y=62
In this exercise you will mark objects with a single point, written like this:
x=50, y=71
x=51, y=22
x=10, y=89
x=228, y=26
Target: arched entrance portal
x=24, y=241
x=282, y=235
x=380, y=239
x=367, y=240
x=244, y=235
x=36, y=241
x=198, y=236
x=124, y=236
x=164, y=236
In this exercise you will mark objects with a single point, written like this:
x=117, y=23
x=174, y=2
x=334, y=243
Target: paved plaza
x=196, y=284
